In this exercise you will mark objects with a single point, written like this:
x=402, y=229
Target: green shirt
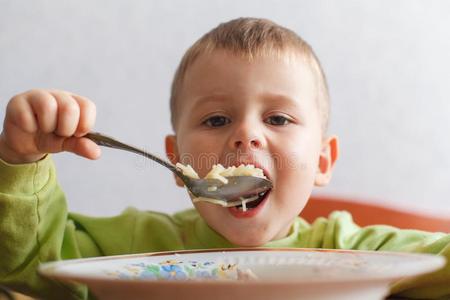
x=35, y=227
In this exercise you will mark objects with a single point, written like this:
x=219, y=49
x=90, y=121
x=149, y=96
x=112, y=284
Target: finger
x=20, y=113
x=87, y=115
x=45, y=109
x=68, y=114
x=82, y=146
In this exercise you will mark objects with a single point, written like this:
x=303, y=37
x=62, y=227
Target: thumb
x=82, y=146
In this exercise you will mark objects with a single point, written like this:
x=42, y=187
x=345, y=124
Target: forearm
x=33, y=218
x=435, y=285
x=429, y=286
x=386, y=238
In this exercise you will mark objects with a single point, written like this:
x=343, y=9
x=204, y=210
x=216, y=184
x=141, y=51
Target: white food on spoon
x=220, y=173
x=188, y=171
x=212, y=188
x=244, y=204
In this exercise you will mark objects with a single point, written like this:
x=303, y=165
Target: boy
x=249, y=91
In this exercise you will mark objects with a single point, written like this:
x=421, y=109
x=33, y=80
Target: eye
x=217, y=121
x=277, y=120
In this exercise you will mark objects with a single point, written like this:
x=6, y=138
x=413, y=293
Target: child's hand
x=38, y=122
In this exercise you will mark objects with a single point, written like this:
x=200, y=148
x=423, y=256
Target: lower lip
x=237, y=213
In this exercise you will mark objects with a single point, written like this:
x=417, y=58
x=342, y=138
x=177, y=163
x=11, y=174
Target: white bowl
x=268, y=274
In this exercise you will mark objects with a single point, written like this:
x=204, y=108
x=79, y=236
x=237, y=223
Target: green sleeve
x=35, y=227
x=133, y=231
x=340, y=232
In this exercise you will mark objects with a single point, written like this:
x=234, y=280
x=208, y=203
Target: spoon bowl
x=238, y=187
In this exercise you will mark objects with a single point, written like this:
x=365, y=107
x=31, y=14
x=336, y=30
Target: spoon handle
x=103, y=140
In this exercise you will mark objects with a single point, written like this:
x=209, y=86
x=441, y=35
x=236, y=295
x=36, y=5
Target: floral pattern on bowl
x=176, y=270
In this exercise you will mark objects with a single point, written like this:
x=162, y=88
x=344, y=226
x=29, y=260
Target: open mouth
x=250, y=209
x=252, y=202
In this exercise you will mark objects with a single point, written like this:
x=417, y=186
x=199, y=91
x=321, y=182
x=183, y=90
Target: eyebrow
x=267, y=97
x=284, y=101
x=280, y=98
x=207, y=99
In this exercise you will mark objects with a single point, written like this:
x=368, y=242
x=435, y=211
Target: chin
x=247, y=239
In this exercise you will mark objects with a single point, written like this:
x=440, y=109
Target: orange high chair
x=371, y=214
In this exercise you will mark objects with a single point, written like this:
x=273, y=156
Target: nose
x=247, y=137
x=252, y=143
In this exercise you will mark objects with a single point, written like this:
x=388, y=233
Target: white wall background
x=388, y=66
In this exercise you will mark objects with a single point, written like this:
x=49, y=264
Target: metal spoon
x=237, y=188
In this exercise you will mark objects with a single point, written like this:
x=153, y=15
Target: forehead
x=225, y=73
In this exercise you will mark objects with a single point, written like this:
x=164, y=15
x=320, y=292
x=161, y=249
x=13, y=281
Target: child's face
x=263, y=112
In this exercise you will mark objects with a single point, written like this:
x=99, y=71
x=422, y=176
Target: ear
x=328, y=156
x=173, y=154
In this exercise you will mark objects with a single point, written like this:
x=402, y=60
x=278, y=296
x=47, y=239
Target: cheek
x=200, y=151
x=294, y=185
x=296, y=169
x=296, y=172
x=296, y=158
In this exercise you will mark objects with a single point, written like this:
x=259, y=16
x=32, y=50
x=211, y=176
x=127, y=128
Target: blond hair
x=250, y=38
